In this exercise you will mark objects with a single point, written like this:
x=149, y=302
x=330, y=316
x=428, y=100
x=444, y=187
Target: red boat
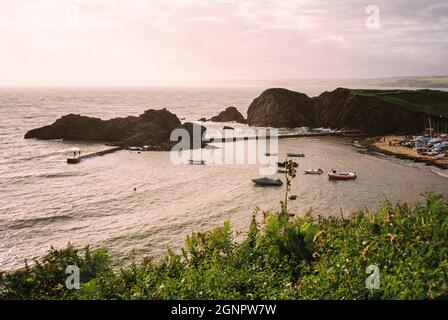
x=334, y=175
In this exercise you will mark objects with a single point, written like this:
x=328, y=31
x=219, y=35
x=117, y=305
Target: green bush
x=46, y=279
x=281, y=257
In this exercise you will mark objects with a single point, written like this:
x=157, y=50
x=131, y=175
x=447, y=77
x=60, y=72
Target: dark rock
x=228, y=128
x=152, y=128
x=228, y=115
x=203, y=120
x=372, y=112
x=281, y=108
x=368, y=114
x=199, y=130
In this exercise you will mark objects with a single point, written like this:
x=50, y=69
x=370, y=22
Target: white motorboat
x=314, y=171
x=334, y=175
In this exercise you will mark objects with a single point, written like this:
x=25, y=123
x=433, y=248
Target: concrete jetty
x=283, y=136
x=77, y=159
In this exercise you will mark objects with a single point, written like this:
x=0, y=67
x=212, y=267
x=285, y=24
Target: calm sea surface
x=45, y=202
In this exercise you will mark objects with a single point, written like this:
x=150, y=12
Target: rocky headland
x=372, y=112
x=151, y=129
x=281, y=108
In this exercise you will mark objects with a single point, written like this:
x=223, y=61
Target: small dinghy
x=282, y=170
x=314, y=171
x=264, y=182
x=296, y=155
x=334, y=175
x=283, y=164
x=268, y=154
x=197, y=162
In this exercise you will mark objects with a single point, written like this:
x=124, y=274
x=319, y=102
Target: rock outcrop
x=342, y=109
x=281, y=108
x=229, y=115
x=153, y=128
x=196, y=133
x=373, y=112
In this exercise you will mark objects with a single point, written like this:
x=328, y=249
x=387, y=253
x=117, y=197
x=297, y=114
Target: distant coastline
x=405, y=82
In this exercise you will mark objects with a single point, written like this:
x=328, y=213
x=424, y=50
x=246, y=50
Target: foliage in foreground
x=280, y=258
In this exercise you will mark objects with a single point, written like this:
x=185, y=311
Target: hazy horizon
x=192, y=42
x=236, y=83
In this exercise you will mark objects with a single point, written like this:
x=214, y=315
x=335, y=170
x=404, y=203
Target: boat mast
x=430, y=127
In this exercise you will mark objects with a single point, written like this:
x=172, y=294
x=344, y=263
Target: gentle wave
x=18, y=179
x=46, y=155
x=34, y=222
x=440, y=173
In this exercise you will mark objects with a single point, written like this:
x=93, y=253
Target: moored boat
x=264, y=182
x=295, y=155
x=283, y=164
x=334, y=175
x=197, y=162
x=314, y=171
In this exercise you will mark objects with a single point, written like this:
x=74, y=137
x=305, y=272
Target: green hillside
x=431, y=102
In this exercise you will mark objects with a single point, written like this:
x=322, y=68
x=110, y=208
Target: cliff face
x=281, y=108
x=152, y=128
x=371, y=112
x=341, y=109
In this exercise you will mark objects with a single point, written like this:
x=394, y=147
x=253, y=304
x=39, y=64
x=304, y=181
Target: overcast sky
x=138, y=42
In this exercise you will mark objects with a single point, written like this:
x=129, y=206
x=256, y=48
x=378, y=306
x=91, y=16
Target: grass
x=281, y=257
x=430, y=102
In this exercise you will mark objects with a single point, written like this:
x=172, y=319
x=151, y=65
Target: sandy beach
x=389, y=144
